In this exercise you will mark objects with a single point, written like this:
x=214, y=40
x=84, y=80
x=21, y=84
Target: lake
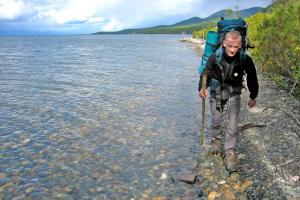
x=97, y=116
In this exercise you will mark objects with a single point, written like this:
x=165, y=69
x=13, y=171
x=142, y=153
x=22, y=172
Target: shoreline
x=196, y=42
x=268, y=149
x=193, y=40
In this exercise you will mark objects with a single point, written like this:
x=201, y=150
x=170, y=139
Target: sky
x=89, y=16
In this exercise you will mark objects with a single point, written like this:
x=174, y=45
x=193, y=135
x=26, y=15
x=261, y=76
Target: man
x=225, y=70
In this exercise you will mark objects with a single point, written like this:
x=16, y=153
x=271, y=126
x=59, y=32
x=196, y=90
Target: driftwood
x=243, y=127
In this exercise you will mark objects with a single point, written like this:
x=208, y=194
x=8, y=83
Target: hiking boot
x=215, y=147
x=230, y=160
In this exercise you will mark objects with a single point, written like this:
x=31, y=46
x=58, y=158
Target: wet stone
x=229, y=195
x=29, y=190
x=145, y=196
x=188, y=195
x=212, y=195
x=246, y=184
x=234, y=177
x=163, y=176
x=2, y=175
x=199, y=192
x=188, y=177
x=242, y=156
x=116, y=168
x=294, y=179
x=243, y=197
x=157, y=198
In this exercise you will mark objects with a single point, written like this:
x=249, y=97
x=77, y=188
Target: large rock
x=188, y=177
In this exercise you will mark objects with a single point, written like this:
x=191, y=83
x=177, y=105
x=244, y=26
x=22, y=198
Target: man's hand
x=251, y=103
x=203, y=93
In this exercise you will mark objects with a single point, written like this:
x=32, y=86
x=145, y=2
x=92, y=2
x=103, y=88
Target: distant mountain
x=222, y=13
x=188, y=25
x=190, y=21
x=242, y=13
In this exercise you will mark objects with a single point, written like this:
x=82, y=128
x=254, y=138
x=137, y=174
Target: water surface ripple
x=97, y=116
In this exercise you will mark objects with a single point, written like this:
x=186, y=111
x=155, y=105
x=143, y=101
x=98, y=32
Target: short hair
x=235, y=35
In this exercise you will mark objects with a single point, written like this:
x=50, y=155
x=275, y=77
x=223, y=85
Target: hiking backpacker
x=214, y=40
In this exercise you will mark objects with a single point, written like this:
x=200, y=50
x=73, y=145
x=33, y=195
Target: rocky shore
x=197, y=44
x=268, y=151
x=269, y=148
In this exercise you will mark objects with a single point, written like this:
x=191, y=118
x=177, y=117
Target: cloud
x=86, y=16
x=137, y=13
x=119, y=14
x=174, y=7
x=78, y=10
x=11, y=9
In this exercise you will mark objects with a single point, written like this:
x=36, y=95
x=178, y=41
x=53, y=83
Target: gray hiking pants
x=224, y=122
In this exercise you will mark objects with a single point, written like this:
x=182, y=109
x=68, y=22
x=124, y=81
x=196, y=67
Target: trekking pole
x=203, y=88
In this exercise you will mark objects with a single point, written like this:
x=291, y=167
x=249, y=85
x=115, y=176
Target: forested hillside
x=187, y=26
x=275, y=35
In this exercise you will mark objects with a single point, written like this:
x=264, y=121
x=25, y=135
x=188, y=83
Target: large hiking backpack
x=226, y=25
x=214, y=40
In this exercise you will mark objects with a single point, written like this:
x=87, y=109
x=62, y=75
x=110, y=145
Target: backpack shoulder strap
x=219, y=55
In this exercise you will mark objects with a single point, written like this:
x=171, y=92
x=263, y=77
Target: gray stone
x=188, y=177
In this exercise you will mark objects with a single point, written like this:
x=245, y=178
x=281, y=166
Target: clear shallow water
x=97, y=116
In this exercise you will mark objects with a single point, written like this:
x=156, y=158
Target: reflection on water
x=97, y=116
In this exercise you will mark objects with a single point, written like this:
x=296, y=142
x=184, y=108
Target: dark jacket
x=233, y=76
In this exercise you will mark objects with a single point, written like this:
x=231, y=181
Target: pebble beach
x=268, y=151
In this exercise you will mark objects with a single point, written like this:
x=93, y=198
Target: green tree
x=276, y=37
x=228, y=13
